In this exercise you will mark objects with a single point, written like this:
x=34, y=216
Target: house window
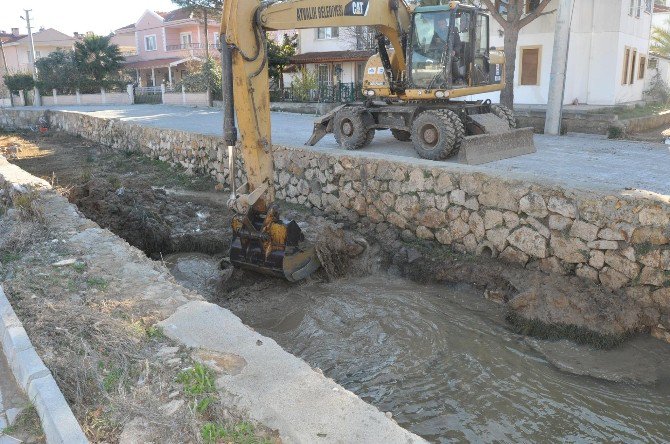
x=530, y=66
x=327, y=33
x=632, y=66
x=626, y=61
x=531, y=5
x=635, y=8
x=643, y=66
x=186, y=39
x=150, y=43
x=501, y=6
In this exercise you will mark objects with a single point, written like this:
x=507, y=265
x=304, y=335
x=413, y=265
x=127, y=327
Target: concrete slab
x=287, y=394
x=573, y=161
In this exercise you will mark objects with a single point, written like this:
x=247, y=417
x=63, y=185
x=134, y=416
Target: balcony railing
x=188, y=46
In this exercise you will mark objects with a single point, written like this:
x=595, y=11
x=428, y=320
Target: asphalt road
x=579, y=161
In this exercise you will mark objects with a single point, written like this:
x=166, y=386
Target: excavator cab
x=448, y=48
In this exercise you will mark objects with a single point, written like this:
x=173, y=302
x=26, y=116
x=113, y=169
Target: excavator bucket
x=493, y=139
x=268, y=245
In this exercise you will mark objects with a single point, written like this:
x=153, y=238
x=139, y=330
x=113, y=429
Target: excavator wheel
x=351, y=128
x=458, y=127
x=435, y=135
x=504, y=113
x=401, y=135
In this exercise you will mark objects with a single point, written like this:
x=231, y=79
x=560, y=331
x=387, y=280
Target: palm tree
x=96, y=57
x=660, y=40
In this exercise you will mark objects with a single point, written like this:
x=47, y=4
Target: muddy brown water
x=442, y=360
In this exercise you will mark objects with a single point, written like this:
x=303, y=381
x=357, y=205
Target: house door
x=323, y=75
x=186, y=40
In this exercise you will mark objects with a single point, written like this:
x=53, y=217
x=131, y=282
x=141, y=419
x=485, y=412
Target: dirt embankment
x=90, y=302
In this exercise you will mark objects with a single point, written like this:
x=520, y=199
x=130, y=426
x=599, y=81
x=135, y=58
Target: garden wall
x=621, y=240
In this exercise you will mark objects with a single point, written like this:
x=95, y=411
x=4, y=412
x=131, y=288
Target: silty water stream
x=443, y=362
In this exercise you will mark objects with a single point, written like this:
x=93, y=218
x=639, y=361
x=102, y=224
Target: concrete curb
x=58, y=422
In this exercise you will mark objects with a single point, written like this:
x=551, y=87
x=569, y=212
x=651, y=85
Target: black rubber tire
x=434, y=135
x=504, y=113
x=351, y=128
x=458, y=127
x=401, y=135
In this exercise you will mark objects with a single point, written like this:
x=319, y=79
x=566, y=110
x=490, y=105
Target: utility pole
x=31, y=53
x=559, y=63
x=4, y=62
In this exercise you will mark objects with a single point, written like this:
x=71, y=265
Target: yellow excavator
x=427, y=56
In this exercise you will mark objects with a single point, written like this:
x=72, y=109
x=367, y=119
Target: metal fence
x=148, y=95
x=339, y=92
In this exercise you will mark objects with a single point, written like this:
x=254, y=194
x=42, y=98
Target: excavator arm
x=261, y=240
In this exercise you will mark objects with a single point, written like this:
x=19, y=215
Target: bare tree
x=513, y=15
x=360, y=38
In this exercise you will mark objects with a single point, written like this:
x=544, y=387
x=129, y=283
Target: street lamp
x=31, y=56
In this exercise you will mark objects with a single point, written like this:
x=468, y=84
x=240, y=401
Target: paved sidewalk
x=576, y=161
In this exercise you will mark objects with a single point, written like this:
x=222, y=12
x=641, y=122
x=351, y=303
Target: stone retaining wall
x=621, y=240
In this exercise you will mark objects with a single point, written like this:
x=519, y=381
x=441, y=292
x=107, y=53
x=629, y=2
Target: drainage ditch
x=439, y=357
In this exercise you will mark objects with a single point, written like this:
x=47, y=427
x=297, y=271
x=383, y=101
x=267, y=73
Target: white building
x=607, y=59
x=336, y=55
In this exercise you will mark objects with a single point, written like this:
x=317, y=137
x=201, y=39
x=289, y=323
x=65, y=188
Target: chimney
x=15, y=31
x=76, y=35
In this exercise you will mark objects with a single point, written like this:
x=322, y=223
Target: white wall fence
x=184, y=98
x=167, y=97
x=103, y=98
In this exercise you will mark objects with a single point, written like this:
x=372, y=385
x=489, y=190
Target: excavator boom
x=262, y=241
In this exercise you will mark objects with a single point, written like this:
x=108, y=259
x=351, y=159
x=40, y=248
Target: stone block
x=654, y=217
x=457, y=197
x=539, y=227
x=586, y=272
x=58, y=422
x=471, y=184
x=424, y=233
x=470, y=243
x=459, y=229
x=529, y=241
x=569, y=249
x=665, y=260
x=499, y=195
x=628, y=268
x=511, y=219
x=443, y=236
x=559, y=223
x=584, y=231
x=612, y=279
x=597, y=259
x=562, y=206
x=492, y=219
x=512, y=255
x=653, y=276
x=498, y=237
x=650, y=235
x=534, y=205
x=603, y=245
x=477, y=226
x=610, y=234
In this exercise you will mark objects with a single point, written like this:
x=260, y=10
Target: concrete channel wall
x=621, y=240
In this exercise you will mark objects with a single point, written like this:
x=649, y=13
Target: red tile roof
x=661, y=8
x=331, y=56
x=145, y=64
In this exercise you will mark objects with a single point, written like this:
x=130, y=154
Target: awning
x=331, y=56
x=147, y=64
